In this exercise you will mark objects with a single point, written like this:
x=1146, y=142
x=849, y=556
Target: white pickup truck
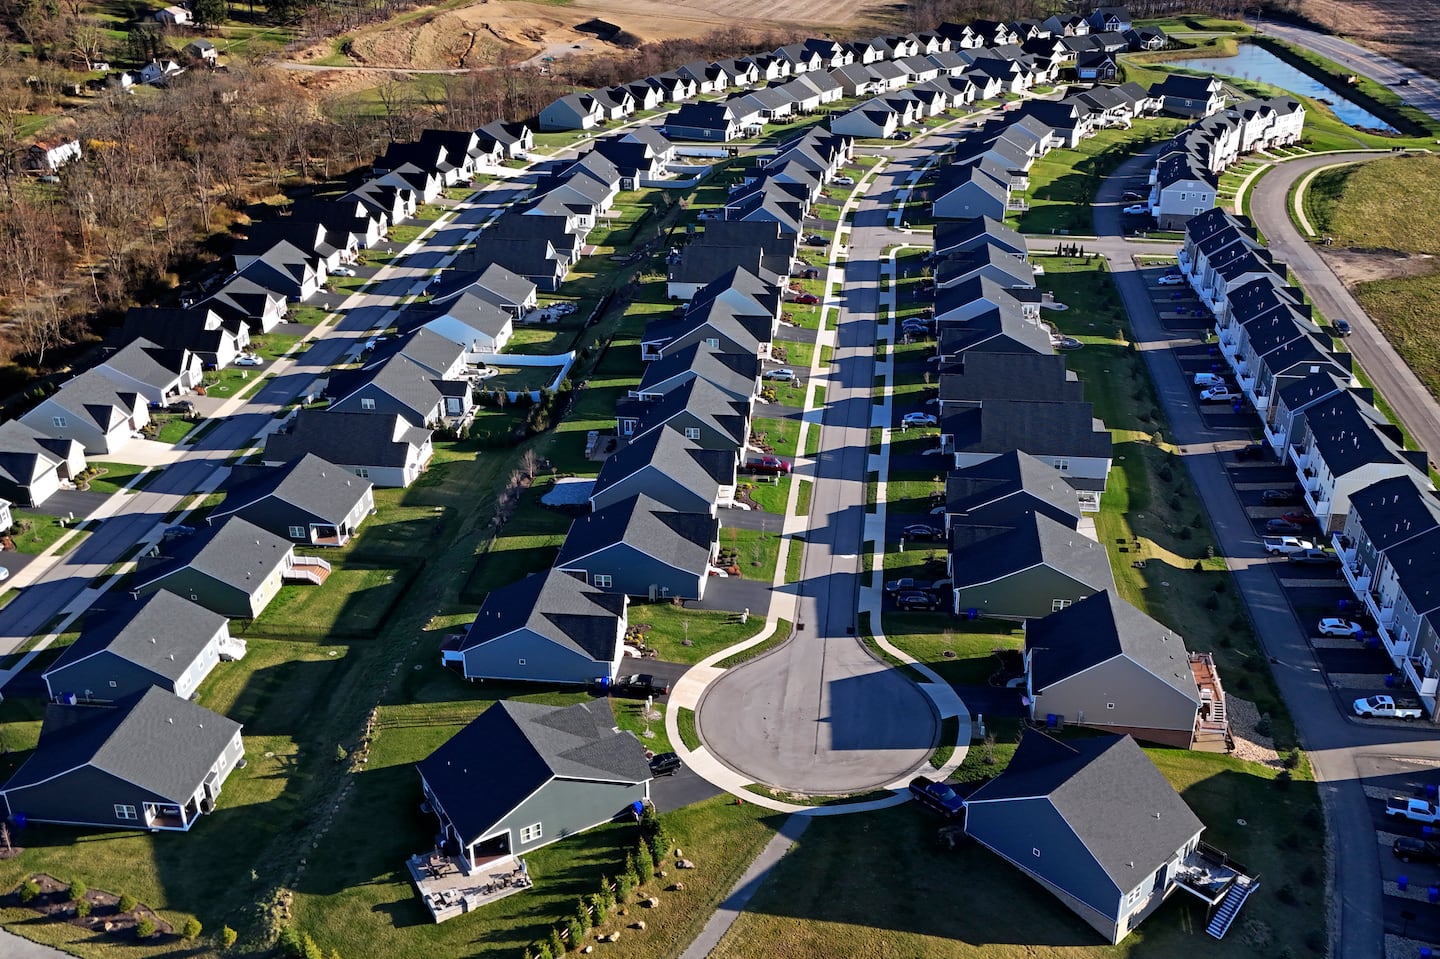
x=1387, y=707
x=1415, y=810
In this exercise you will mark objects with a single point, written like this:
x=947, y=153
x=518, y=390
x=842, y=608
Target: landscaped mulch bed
x=105, y=917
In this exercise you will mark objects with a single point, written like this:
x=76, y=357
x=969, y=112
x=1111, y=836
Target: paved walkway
x=14, y=947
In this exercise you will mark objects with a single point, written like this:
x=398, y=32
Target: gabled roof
x=465, y=315
x=1345, y=431
x=998, y=330
x=1063, y=428
x=358, y=439
x=406, y=381
x=735, y=373
x=983, y=556
x=1300, y=393
x=511, y=750
x=149, y=363
x=162, y=633
x=699, y=398
x=155, y=740
x=493, y=282
x=423, y=347
x=679, y=540
x=958, y=235
x=667, y=450
x=1396, y=509
x=1000, y=488
x=26, y=454
x=237, y=553
x=310, y=484
x=1018, y=272
x=98, y=399
x=1098, y=629
x=1125, y=814
x=978, y=377
x=557, y=606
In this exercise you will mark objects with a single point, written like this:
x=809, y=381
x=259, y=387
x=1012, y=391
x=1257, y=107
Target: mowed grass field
x=1386, y=205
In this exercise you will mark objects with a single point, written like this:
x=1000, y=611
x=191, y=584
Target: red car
x=807, y=299
x=768, y=466
x=1299, y=518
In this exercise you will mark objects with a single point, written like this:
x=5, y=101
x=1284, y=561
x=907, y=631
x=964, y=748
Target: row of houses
x=1368, y=493
x=1185, y=178
x=1091, y=820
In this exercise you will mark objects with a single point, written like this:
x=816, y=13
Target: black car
x=1282, y=526
x=816, y=239
x=1280, y=497
x=1254, y=451
x=915, y=599
x=1342, y=328
x=921, y=531
x=665, y=764
x=1407, y=849
x=1132, y=195
x=641, y=684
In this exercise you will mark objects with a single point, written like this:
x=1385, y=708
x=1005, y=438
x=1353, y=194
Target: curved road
x=1402, y=389
x=821, y=714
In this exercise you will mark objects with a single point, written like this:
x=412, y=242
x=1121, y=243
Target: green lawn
x=172, y=429
x=961, y=652
x=706, y=631
x=353, y=603
x=755, y=551
x=34, y=533
x=113, y=477
x=972, y=904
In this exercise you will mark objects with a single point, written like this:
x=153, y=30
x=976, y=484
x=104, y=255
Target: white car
x=1331, y=626
x=844, y=181
x=920, y=419
x=1171, y=279
x=249, y=359
x=342, y=271
x=4, y=574
x=785, y=374
x=1138, y=209
x=1218, y=394
x=1209, y=379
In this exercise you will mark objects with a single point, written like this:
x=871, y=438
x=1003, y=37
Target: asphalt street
x=820, y=714
x=1340, y=748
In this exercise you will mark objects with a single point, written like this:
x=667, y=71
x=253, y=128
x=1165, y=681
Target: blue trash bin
x=1390, y=681
x=1402, y=882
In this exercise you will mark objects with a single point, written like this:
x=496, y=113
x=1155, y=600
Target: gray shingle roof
x=681, y=540
x=982, y=556
x=361, y=439
x=1344, y=430
x=557, y=606
x=309, y=483
x=163, y=632
x=735, y=373
x=238, y=553
x=1098, y=629
x=1007, y=484
x=979, y=376
x=26, y=454
x=1108, y=792
x=1396, y=509
x=667, y=450
x=98, y=398
x=1037, y=427
x=157, y=741
x=513, y=749
x=698, y=398
x=408, y=382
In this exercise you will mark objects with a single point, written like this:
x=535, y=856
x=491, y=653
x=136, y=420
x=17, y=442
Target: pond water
x=1257, y=63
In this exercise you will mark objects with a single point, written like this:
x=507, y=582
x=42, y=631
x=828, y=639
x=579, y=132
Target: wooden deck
x=448, y=890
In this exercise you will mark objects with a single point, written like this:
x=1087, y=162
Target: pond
x=1257, y=63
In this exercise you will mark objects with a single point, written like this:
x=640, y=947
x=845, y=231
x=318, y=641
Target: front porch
x=450, y=886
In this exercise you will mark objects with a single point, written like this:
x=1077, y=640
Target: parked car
x=4, y=574
x=665, y=764
x=1210, y=379
x=1388, y=707
x=177, y=532
x=1415, y=810
x=1342, y=328
x=1171, y=279
x=806, y=299
x=938, y=797
x=1409, y=849
x=248, y=359
x=1313, y=557
x=919, y=419
x=844, y=181
x=906, y=584
x=784, y=374
x=815, y=239
x=342, y=271
x=900, y=135
x=1276, y=545
x=1279, y=525
x=921, y=531
x=1132, y=195
x=766, y=466
x=1138, y=209
x=640, y=684
x=1218, y=394
x=1334, y=626
x=1252, y=451
x=1280, y=497
x=1300, y=518
x=914, y=599
x=184, y=407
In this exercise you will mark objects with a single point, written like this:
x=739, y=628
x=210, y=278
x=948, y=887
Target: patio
x=448, y=890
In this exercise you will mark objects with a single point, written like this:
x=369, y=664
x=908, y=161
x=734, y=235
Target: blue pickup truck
x=937, y=797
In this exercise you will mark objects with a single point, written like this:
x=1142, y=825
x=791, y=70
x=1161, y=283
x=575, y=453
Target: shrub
x=1292, y=758
x=191, y=929
x=625, y=886
x=582, y=914
x=145, y=927
x=29, y=889
x=82, y=908
x=290, y=943
x=228, y=937
x=312, y=949
x=127, y=903
x=542, y=951
x=1283, y=779
x=1263, y=725
x=576, y=932
x=556, y=944
x=78, y=889
x=644, y=865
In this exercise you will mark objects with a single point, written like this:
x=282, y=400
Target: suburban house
x=493, y=283
x=34, y=465
x=400, y=385
x=153, y=761
x=157, y=373
x=242, y=298
x=516, y=140
x=1103, y=663
x=640, y=547
x=703, y=412
x=307, y=501
x=1094, y=822
x=214, y=339
x=1024, y=569
x=174, y=16
x=871, y=119
x=993, y=330
x=954, y=237
x=286, y=270
x=1186, y=96
x=523, y=775
x=235, y=570
x=1064, y=434
x=718, y=324
x=975, y=377
x=1096, y=65
x=673, y=469
x=48, y=156
x=1180, y=188
x=535, y=259
x=546, y=628
x=734, y=374
x=1110, y=20
x=994, y=493
x=437, y=355
x=472, y=322
x=989, y=260
x=573, y=111
x=705, y=120
x=384, y=449
x=162, y=640
x=93, y=410
x=964, y=192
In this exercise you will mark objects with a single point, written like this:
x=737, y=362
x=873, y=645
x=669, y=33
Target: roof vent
x=170, y=720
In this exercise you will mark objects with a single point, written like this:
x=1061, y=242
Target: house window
x=366, y=403
x=530, y=833
x=1063, y=465
x=521, y=662
x=713, y=342
x=297, y=532
x=1109, y=705
x=629, y=427
x=125, y=812
x=1035, y=852
x=113, y=684
x=692, y=432
x=58, y=421
x=1058, y=604
x=601, y=581
x=363, y=472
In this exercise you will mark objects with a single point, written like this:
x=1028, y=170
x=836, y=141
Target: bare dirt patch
x=1354, y=267
x=1403, y=29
